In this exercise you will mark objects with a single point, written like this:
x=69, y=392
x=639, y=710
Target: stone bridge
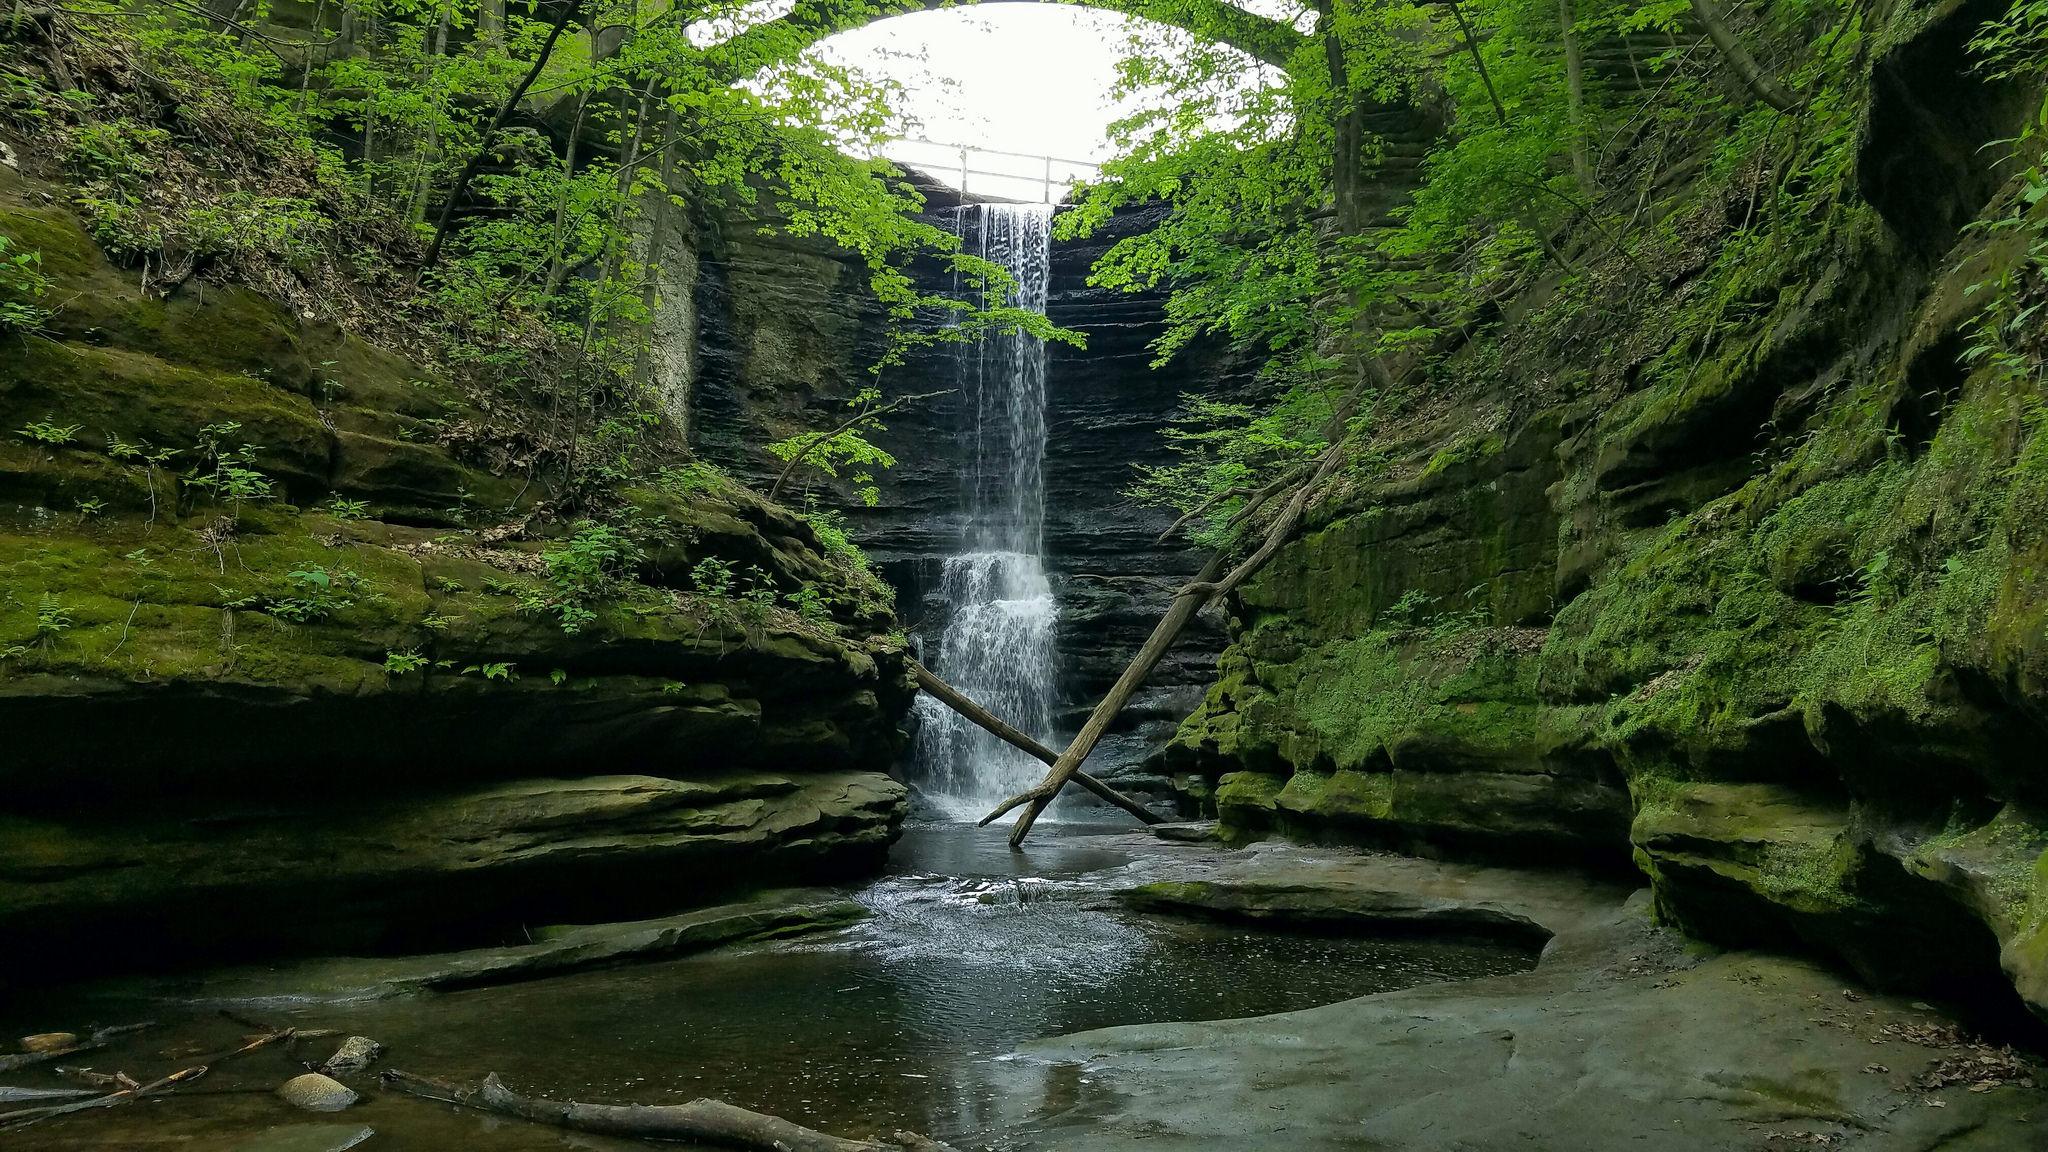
x=1269, y=41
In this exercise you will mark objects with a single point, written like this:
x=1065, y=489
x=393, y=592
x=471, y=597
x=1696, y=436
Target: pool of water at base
x=902, y=1021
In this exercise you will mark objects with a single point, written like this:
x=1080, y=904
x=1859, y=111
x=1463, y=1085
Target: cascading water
x=998, y=617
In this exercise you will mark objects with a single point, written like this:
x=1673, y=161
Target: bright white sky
x=1028, y=78
x=1024, y=78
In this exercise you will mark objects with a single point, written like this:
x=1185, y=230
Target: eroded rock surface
x=1623, y=1034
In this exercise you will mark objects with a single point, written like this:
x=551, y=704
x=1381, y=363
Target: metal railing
x=960, y=161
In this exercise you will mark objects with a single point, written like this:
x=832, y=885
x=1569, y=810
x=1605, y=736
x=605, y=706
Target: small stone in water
x=355, y=1054
x=49, y=1042
x=317, y=1093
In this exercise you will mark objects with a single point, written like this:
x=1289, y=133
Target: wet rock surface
x=554, y=951
x=1623, y=1033
x=468, y=862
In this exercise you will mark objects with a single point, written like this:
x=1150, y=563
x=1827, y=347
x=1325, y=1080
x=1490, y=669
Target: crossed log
x=1214, y=581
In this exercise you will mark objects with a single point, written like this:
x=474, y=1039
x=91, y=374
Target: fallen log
x=1189, y=600
x=13, y=1095
x=996, y=726
x=1185, y=605
x=704, y=1121
x=99, y=1039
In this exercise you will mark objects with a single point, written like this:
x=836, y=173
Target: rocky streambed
x=1105, y=989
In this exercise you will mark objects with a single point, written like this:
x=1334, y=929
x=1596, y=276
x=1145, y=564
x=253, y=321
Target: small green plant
x=52, y=619
x=313, y=594
x=150, y=458
x=810, y=604
x=1869, y=586
x=712, y=577
x=22, y=287
x=689, y=480
x=558, y=677
x=88, y=508
x=830, y=525
x=451, y=587
x=343, y=509
x=48, y=432
x=435, y=622
x=760, y=595
x=229, y=474
x=500, y=670
x=1411, y=608
x=400, y=663
x=587, y=568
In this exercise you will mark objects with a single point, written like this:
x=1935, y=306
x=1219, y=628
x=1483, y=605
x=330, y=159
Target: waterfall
x=997, y=619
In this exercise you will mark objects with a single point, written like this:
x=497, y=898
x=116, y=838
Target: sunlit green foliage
x=320, y=149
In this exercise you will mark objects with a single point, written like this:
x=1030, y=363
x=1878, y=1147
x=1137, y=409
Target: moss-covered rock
x=1759, y=599
x=361, y=643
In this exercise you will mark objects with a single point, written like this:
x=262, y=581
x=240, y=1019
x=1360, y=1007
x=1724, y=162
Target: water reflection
x=900, y=1022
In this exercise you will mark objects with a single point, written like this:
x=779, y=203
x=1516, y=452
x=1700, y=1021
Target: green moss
x=1339, y=797
x=1243, y=797
x=1464, y=451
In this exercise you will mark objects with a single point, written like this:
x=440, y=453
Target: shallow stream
x=904, y=1020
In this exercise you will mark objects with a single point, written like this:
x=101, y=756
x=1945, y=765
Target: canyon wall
x=1770, y=625
x=323, y=703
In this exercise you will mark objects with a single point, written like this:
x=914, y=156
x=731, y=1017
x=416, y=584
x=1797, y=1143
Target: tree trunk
x=1575, y=100
x=429, y=157
x=490, y=23
x=558, y=264
x=483, y=144
x=996, y=726
x=1760, y=83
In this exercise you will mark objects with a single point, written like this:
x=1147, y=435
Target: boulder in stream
x=317, y=1093
x=355, y=1054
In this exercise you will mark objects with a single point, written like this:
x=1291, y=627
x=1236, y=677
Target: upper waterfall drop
x=996, y=636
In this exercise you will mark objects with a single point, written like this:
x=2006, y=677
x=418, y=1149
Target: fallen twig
x=27, y=1116
x=705, y=1121
x=99, y=1039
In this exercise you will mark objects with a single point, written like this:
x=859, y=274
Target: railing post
x=1048, y=180
x=963, y=171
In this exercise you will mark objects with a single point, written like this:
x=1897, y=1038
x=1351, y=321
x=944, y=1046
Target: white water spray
x=997, y=643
